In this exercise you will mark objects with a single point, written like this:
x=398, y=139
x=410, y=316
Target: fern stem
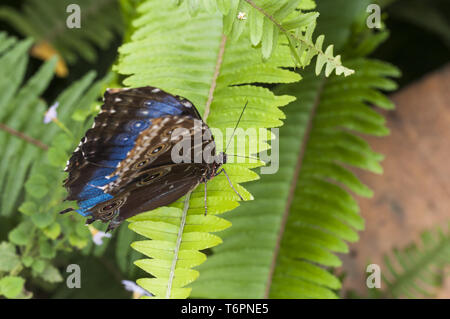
x=292, y=189
x=24, y=137
x=188, y=195
x=215, y=76
x=178, y=244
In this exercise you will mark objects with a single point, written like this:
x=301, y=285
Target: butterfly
x=125, y=163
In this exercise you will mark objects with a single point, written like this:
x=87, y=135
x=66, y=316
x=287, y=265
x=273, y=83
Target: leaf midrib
x=188, y=195
x=292, y=188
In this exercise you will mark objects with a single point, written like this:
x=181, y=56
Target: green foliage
x=8, y=257
x=41, y=232
x=323, y=215
x=125, y=256
x=267, y=20
x=414, y=271
x=281, y=245
x=181, y=59
x=11, y=286
x=16, y=104
x=45, y=21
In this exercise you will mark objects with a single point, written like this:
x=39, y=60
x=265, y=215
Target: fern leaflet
x=190, y=57
x=267, y=19
x=414, y=270
x=281, y=244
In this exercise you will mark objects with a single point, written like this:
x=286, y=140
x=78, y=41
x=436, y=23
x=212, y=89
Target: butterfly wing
x=147, y=179
x=155, y=187
x=155, y=147
x=125, y=114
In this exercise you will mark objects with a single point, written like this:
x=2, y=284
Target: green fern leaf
x=270, y=18
x=281, y=245
x=190, y=57
x=413, y=271
x=16, y=104
x=36, y=152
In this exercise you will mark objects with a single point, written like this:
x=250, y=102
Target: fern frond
x=37, y=152
x=45, y=22
x=42, y=232
x=323, y=216
x=190, y=57
x=267, y=19
x=17, y=103
x=413, y=271
x=281, y=245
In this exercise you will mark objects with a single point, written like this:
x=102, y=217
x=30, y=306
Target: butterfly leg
x=229, y=182
x=66, y=210
x=206, y=202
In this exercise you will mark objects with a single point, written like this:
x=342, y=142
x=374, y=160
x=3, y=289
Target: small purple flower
x=98, y=238
x=51, y=113
x=97, y=235
x=137, y=290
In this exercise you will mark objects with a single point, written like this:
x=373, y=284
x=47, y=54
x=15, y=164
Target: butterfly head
x=221, y=158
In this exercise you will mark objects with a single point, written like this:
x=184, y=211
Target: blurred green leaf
x=52, y=231
x=8, y=257
x=27, y=261
x=37, y=186
x=38, y=266
x=51, y=274
x=46, y=249
x=22, y=234
x=42, y=219
x=11, y=286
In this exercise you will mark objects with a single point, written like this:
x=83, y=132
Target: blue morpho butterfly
x=123, y=165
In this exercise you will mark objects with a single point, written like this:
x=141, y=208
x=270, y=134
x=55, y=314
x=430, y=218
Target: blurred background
x=413, y=194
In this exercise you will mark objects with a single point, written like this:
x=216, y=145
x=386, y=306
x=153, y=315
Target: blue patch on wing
x=92, y=188
x=137, y=126
x=115, y=154
x=91, y=195
x=168, y=107
x=117, y=150
x=89, y=203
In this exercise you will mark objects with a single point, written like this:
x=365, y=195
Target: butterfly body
x=126, y=163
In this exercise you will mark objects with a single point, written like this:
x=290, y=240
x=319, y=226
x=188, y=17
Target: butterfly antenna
x=247, y=157
x=232, y=135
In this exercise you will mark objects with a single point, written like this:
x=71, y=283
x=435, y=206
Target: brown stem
x=188, y=195
x=23, y=136
x=292, y=188
x=215, y=76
